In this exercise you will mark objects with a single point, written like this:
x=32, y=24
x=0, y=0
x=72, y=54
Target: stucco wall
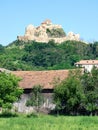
x=21, y=107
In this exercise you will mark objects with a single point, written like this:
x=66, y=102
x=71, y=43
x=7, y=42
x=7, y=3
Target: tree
x=78, y=93
x=9, y=89
x=36, y=97
x=90, y=86
x=1, y=48
x=68, y=95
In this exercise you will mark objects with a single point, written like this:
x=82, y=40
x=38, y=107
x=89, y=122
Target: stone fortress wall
x=39, y=34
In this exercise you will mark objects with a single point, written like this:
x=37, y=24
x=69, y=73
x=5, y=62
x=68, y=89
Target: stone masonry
x=39, y=34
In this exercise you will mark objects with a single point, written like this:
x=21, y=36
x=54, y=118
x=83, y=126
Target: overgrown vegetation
x=78, y=94
x=56, y=32
x=8, y=114
x=31, y=55
x=36, y=97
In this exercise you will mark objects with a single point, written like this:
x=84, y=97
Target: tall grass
x=49, y=123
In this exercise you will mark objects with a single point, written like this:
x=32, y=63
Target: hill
x=31, y=55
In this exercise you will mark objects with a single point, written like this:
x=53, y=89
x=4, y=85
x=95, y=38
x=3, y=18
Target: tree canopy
x=9, y=89
x=32, y=55
x=78, y=94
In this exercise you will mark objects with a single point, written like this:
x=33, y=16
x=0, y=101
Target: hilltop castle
x=46, y=32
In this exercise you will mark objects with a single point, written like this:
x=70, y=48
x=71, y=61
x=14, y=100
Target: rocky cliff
x=46, y=32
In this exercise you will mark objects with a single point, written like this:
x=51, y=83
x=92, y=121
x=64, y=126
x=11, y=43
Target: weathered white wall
x=21, y=107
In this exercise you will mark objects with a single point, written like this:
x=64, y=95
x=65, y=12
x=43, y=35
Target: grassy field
x=49, y=123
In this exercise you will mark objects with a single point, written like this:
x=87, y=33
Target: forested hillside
x=31, y=55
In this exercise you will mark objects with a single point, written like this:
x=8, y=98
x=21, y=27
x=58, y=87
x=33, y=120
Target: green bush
x=8, y=114
x=33, y=114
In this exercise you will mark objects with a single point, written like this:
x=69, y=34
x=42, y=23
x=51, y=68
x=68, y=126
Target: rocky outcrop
x=46, y=32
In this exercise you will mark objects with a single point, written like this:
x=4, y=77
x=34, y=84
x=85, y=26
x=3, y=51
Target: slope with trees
x=31, y=55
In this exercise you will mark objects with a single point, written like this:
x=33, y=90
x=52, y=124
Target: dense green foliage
x=36, y=97
x=49, y=123
x=68, y=94
x=56, y=32
x=78, y=94
x=31, y=55
x=9, y=89
x=90, y=87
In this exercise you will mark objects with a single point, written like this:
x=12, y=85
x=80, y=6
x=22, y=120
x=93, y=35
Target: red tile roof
x=44, y=78
x=87, y=62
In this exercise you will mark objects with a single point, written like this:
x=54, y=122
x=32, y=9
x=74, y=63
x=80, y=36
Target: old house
x=87, y=64
x=43, y=78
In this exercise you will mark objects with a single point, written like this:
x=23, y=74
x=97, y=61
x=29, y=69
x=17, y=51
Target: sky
x=78, y=16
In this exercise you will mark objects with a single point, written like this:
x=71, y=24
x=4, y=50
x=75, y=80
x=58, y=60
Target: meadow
x=47, y=122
